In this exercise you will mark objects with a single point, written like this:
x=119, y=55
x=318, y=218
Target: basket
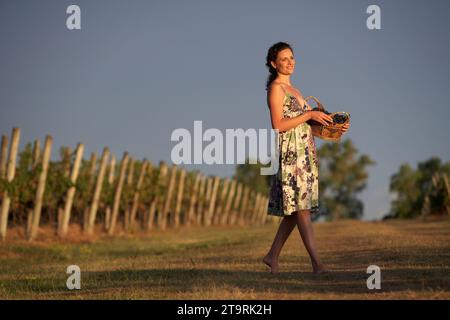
x=332, y=132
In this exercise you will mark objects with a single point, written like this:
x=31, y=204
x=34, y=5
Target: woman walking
x=294, y=193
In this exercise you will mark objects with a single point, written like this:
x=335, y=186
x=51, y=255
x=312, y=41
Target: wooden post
x=180, y=191
x=36, y=154
x=63, y=224
x=219, y=212
x=242, y=213
x=189, y=219
x=97, y=192
x=212, y=202
x=3, y=156
x=118, y=193
x=236, y=205
x=209, y=187
x=162, y=184
x=130, y=176
x=259, y=210
x=146, y=209
x=91, y=173
x=151, y=213
x=254, y=209
x=226, y=211
x=168, y=202
x=112, y=169
x=10, y=173
x=66, y=161
x=66, y=157
x=129, y=183
x=137, y=192
x=201, y=200
x=34, y=163
x=264, y=210
x=41, y=188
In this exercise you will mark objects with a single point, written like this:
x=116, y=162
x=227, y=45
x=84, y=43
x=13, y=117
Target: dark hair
x=272, y=56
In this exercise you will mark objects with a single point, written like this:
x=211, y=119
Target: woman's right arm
x=275, y=101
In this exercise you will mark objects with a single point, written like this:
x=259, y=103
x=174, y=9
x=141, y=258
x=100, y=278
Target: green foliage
x=410, y=187
x=342, y=174
x=250, y=175
x=22, y=189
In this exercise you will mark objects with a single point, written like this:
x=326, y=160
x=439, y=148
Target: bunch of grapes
x=337, y=118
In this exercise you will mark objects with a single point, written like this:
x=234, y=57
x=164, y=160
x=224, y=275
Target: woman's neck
x=284, y=79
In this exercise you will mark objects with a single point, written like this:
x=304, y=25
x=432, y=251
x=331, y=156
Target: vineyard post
x=36, y=154
x=256, y=204
x=151, y=213
x=201, y=200
x=34, y=163
x=193, y=200
x=219, y=212
x=63, y=224
x=97, y=191
x=179, y=198
x=66, y=162
x=259, y=211
x=242, y=213
x=226, y=211
x=209, y=185
x=130, y=176
x=236, y=205
x=162, y=184
x=264, y=210
x=212, y=202
x=112, y=169
x=10, y=173
x=41, y=188
x=134, y=207
x=168, y=202
x=118, y=193
x=3, y=156
x=91, y=173
x=257, y=216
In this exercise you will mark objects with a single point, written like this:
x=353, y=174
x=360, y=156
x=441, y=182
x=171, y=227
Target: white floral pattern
x=296, y=184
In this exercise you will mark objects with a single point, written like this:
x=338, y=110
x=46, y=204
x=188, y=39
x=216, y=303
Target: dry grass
x=225, y=263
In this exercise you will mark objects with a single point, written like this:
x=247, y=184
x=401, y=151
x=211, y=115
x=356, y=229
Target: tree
x=342, y=175
x=421, y=191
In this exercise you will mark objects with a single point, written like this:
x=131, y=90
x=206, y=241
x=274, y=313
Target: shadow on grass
x=171, y=282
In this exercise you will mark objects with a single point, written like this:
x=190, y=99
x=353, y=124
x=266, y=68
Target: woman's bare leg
x=284, y=230
x=306, y=232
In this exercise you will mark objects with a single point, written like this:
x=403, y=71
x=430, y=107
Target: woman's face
x=285, y=62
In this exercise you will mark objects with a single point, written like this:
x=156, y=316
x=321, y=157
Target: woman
x=294, y=191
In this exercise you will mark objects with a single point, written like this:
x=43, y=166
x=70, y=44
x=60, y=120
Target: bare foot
x=271, y=263
x=319, y=269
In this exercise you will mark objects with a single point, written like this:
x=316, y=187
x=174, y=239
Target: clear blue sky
x=140, y=69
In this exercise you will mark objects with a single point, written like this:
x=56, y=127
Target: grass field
x=225, y=263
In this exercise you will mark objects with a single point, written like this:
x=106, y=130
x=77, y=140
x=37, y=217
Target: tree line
x=343, y=176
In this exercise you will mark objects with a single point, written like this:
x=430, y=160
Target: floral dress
x=296, y=184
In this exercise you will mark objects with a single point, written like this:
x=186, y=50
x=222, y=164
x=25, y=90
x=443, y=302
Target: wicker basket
x=332, y=132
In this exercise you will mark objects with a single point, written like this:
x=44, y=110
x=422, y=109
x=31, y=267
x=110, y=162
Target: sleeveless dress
x=296, y=184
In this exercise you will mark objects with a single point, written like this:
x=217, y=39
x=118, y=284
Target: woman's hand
x=345, y=128
x=320, y=117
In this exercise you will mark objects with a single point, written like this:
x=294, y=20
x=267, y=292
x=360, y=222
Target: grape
x=339, y=118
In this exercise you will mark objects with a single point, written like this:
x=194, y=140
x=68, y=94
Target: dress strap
x=282, y=87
